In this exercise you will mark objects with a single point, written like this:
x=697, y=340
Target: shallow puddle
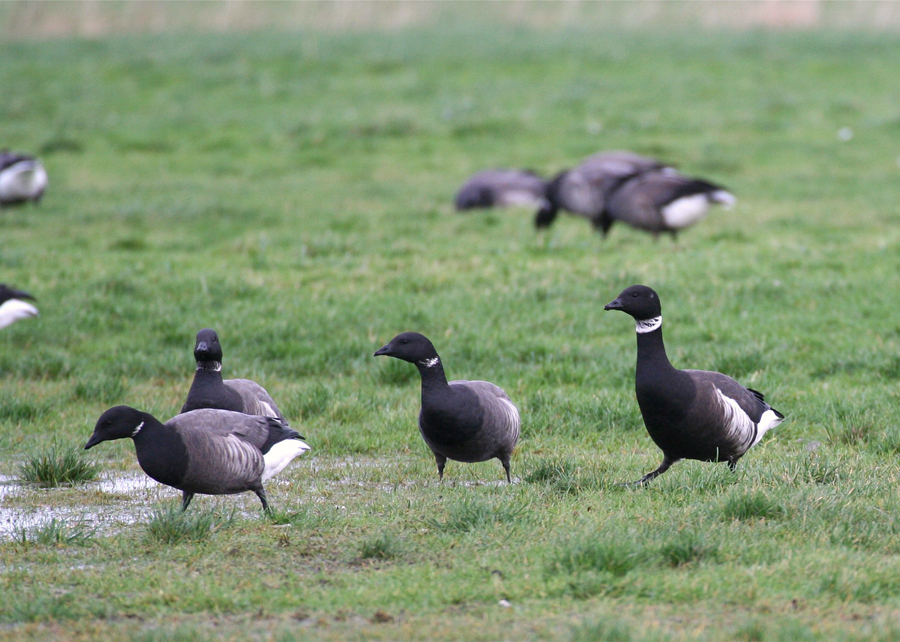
x=119, y=500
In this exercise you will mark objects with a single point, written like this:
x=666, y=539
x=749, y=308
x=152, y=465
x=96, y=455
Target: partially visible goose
x=501, y=188
x=22, y=178
x=210, y=391
x=211, y=452
x=464, y=421
x=664, y=202
x=690, y=414
x=12, y=307
x=586, y=189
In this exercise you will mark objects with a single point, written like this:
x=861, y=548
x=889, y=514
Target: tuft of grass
x=56, y=466
x=602, y=631
x=592, y=552
x=55, y=532
x=687, y=548
x=750, y=506
x=564, y=476
x=380, y=547
x=473, y=513
x=170, y=525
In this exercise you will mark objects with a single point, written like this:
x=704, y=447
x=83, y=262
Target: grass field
x=294, y=192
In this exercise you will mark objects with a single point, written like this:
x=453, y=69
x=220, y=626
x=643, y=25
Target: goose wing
x=256, y=400
x=223, y=451
x=735, y=415
x=501, y=421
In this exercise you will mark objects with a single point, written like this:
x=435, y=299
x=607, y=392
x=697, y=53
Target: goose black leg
x=504, y=459
x=732, y=464
x=186, y=498
x=663, y=467
x=261, y=493
x=441, y=462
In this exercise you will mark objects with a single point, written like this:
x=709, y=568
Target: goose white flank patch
x=666, y=201
x=22, y=178
x=585, y=190
x=465, y=421
x=501, y=188
x=210, y=452
x=12, y=306
x=690, y=414
x=209, y=390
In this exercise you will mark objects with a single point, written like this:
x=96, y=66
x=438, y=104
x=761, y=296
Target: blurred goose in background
x=690, y=414
x=22, y=178
x=585, y=190
x=501, y=188
x=209, y=390
x=211, y=452
x=12, y=307
x=663, y=201
x=465, y=421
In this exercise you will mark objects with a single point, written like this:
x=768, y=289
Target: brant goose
x=586, y=189
x=501, y=188
x=12, y=308
x=211, y=452
x=210, y=391
x=690, y=414
x=22, y=178
x=663, y=201
x=465, y=421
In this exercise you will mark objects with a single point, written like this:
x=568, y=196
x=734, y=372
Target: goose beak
x=93, y=441
x=613, y=305
x=383, y=351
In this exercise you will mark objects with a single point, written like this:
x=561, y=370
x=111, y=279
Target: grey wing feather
x=749, y=401
x=222, y=451
x=501, y=414
x=256, y=400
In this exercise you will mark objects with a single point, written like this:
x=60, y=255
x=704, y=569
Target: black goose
x=12, y=307
x=501, y=188
x=210, y=391
x=586, y=189
x=663, y=201
x=211, y=452
x=465, y=421
x=690, y=414
x=22, y=178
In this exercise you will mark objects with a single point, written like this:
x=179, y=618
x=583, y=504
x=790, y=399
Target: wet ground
x=118, y=500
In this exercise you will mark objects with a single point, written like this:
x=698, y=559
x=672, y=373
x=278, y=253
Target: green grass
x=294, y=192
x=56, y=466
x=170, y=525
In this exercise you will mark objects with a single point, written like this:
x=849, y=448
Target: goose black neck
x=149, y=429
x=210, y=366
x=651, y=351
x=432, y=372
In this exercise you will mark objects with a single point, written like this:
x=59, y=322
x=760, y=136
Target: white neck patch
x=215, y=366
x=432, y=362
x=138, y=429
x=648, y=325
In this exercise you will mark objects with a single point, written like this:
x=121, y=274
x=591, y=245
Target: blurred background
x=28, y=19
